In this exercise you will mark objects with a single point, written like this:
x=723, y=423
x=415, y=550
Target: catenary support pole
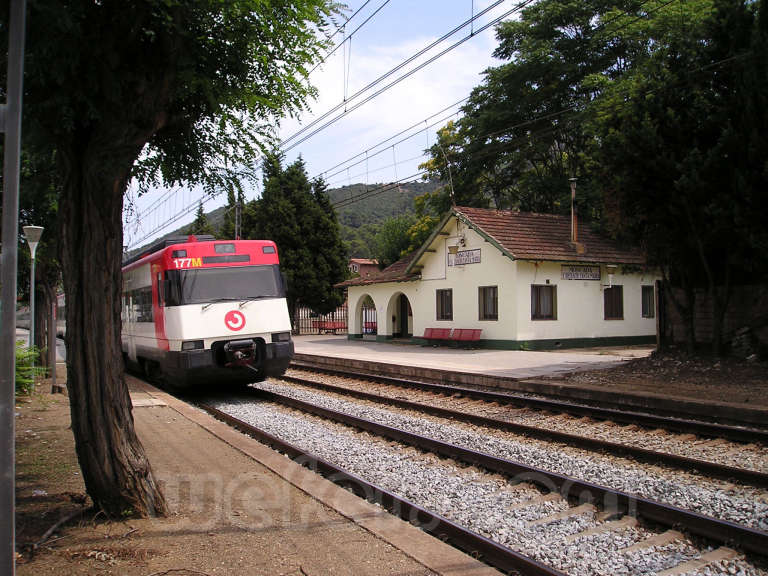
x=8, y=262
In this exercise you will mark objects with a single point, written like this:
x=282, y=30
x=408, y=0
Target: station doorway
x=402, y=318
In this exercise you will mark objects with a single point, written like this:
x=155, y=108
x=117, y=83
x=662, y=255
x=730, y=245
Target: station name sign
x=464, y=257
x=580, y=272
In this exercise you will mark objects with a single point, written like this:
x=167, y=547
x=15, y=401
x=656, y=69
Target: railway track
x=563, y=516
x=474, y=411
x=673, y=422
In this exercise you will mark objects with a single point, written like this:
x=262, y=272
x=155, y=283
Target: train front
x=225, y=314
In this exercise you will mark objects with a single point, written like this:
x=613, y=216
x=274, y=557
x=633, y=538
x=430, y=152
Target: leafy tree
x=298, y=216
x=523, y=133
x=200, y=224
x=392, y=240
x=164, y=92
x=683, y=144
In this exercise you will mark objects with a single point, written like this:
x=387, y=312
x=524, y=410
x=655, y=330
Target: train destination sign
x=580, y=272
x=464, y=257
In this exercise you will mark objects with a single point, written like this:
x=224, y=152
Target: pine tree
x=200, y=225
x=299, y=217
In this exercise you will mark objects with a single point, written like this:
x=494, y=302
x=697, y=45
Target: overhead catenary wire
x=400, y=79
x=552, y=115
x=369, y=151
x=398, y=67
x=350, y=35
x=546, y=131
x=395, y=69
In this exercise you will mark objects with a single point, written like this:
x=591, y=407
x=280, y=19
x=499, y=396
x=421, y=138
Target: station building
x=528, y=281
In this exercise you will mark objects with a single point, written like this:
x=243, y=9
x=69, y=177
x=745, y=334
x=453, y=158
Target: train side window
x=142, y=304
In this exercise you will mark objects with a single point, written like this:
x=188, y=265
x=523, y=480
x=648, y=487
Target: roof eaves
x=429, y=241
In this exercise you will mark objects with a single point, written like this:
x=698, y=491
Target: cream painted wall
x=579, y=303
x=495, y=269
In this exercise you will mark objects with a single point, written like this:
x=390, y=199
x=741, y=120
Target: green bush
x=25, y=372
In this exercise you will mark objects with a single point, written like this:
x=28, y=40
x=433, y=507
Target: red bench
x=437, y=335
x=467, y=336
x=328, y=325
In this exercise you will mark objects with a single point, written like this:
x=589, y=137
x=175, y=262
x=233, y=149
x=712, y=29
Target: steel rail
x=713, y=469
x=722, y=531
x=492, y=553
x=700, y=428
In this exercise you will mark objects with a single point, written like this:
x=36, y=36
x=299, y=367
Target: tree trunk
x=116, y=471
x=686, y=309
x=720, y=296
x=42, y=311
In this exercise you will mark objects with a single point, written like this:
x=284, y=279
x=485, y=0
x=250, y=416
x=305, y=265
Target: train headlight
x=281, y=337
x=192, y=345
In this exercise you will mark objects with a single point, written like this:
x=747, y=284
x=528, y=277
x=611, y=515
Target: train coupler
x=241, y=353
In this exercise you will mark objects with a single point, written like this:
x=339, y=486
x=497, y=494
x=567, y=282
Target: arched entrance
x=401, y=316
x=368, y=324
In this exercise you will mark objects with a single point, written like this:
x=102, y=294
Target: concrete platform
x=266, y=500
x=517, y=364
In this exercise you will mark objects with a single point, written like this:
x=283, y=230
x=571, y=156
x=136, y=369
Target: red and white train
x=204, y=311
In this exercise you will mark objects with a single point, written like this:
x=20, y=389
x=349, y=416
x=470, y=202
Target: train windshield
x=203, y=285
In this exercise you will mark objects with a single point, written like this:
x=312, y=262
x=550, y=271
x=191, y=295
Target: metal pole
x=52, y=343
x=12, y=129
x=32, y=306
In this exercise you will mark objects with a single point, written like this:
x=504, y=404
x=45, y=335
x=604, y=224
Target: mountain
x=378, y=201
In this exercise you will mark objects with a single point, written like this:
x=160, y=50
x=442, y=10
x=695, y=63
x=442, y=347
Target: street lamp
x=32, y=234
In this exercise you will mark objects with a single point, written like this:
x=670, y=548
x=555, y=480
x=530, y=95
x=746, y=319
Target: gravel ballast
x=741, y=504
x=728, y=453
x=486, y=503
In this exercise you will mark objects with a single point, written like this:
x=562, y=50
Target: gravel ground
x=741, y=504
x=748, y=456
x=486, y=503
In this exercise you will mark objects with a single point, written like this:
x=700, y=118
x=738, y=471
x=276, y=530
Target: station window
x=488, y=299
x=543, y=302
x=649, y=308
x=445, y=304
x=613, y=300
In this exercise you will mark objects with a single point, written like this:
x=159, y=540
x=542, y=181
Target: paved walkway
x=507, y=363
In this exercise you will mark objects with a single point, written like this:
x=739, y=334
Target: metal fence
x=306, y=321
x=369, y=320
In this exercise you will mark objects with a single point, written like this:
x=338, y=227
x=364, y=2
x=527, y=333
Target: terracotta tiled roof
x=531, y=236
x=367, y=261
x=393, y=273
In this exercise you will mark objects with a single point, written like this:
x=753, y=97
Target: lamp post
x=32, y=234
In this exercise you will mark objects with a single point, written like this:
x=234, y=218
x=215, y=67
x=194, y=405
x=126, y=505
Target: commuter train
x=199, y=311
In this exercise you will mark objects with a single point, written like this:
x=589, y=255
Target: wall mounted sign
x=464, y=257
x=580, y=272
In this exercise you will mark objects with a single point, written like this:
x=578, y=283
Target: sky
x=351, y=149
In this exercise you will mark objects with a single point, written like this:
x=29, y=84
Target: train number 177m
x=187, y=262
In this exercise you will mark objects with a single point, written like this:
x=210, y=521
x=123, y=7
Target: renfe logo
x=234, y=320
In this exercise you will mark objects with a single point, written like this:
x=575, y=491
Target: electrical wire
x=392, y=71
x=368, y=152
x=349, y=37
x=401, y=78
